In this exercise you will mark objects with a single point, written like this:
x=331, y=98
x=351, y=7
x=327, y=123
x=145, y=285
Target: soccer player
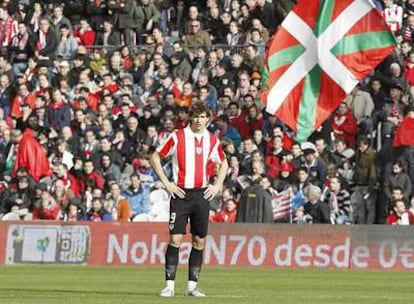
x=192, y=149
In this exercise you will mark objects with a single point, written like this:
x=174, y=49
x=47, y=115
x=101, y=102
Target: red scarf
x=41, y=41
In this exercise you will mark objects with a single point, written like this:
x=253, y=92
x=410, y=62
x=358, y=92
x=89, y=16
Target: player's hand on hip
x=175, y=191
x=211, y=191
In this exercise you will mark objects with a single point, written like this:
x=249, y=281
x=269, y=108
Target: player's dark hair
x=198, y=108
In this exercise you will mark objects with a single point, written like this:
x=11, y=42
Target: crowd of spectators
x=89, y=88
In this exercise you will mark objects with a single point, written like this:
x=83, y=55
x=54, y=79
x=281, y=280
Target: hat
x=64, y=63
x=396, y=85
x=308, y=151
x=256, y=75
x=348, y=153
x=308, y=148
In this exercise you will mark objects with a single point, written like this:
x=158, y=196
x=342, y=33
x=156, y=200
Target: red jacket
x=87, y=38
x=348, y=126
x=224, y=216
x=404, y=135
x=16, y=110
x=392, y=219
x=49, y=213
x=32, y=156
x=241, y=125
x=409, y=73
x=272, y=163
x=71, y=182
x=94, y=176
x=256, y=124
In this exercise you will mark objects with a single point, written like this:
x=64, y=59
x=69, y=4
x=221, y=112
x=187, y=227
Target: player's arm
x=172, y=188
x=213, y=189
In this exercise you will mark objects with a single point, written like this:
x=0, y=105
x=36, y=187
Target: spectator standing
x=147, y=18
x=58, y=19
x=362, y=107
x=19, y=49
x=397, y=178
x=123, y=12
x=344, y=124
x=339, y=202
x=75, y=9
x=391, y=115
x=97, y=12
x=8, y=29
x=108, y=37
x=44, y=42
x=393, y=15
x=196, y=37
x=255, y=205
x=30, y=155
x=365, y=177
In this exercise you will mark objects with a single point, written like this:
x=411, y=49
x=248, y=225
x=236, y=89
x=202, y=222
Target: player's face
x=199, y=122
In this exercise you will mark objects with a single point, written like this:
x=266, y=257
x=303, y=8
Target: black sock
x=171, y=262
x=196, y=259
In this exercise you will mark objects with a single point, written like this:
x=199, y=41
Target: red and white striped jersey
x=191, y=154
x=393, y=16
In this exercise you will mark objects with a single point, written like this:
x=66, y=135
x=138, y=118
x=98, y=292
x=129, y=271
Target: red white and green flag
x=321, y=51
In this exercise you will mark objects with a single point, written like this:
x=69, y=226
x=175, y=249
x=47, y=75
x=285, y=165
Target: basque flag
x=321, y=51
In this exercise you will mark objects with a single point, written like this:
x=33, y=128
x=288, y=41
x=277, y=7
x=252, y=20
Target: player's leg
x=177, y=225
x=199, y=227
x=194, y=266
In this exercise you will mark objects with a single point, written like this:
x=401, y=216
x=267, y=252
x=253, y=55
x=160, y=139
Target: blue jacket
x=138, y=200
x=101, y=215
x=233, y=134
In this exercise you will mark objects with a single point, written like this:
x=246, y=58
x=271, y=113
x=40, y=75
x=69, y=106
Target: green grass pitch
x=46, y=284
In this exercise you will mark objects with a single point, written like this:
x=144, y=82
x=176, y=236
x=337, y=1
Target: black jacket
x=50, y=47
x=255, y=206
x=319, y=211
